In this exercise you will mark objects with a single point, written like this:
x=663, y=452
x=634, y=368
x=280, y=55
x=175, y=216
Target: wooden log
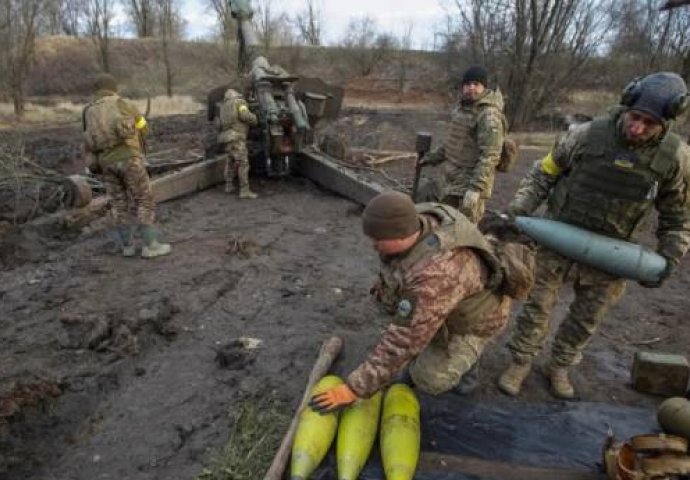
x=327, y=355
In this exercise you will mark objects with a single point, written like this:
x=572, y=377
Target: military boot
x=125, y=241
x=230, y=186
x=561, y=386
x=510, y=382
x=245, y=192
x=469, y=381
x=152, y=247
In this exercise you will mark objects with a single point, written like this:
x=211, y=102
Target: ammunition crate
x=660, y=373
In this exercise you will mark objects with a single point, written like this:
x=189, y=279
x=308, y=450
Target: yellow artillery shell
x=314, y=435
x=356, y=434
x=400, y=433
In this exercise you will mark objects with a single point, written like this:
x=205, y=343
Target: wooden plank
x=191, y=179
x=324, y=171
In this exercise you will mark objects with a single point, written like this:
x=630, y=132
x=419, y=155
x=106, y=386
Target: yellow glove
x=333, y=399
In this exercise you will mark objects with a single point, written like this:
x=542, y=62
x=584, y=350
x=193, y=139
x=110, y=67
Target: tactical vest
x=230, y=120
x=454, y=231
x=106, y=127
x=610, y=189
x=461, y=148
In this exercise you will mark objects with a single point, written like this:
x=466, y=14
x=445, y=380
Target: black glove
x=670, y=266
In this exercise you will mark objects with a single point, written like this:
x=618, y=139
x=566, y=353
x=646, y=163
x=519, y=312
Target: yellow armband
x=242, y=108
x=140, y=123
x=548, y=166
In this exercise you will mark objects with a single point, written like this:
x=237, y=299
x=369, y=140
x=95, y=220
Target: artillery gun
x=287, y=106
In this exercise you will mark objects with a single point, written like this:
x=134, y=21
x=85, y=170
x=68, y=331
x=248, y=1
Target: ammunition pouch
x=647, y=457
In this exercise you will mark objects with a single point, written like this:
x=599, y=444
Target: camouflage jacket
x=128, y=148
x=472, y=148
x=603, y=197
x=435, y=286
x=235, y=118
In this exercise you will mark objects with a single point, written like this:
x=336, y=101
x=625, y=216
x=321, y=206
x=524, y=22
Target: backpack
x=105, y=127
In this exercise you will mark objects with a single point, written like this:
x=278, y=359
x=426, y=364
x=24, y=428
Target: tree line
x=535, y=49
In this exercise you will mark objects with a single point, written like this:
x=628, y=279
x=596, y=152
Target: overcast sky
x=392, y=16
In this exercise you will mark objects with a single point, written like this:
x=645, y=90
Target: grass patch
x=259, y=426
x=162, y=105
x=535, y=139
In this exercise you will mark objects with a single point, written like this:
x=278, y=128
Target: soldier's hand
x=470, y=201
x=425, y=160
x=334, y=399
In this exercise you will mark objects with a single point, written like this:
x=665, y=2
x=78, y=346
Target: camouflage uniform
x=595, y=180
x=119, y=155
x=472, y=151
x=233, y=124
x=443, y=311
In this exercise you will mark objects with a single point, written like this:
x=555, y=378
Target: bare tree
x=308, y=23
x=273, y=28
x=52, y=17
x=99, y=21
x=646, y=39
x=365, y=45
x=403, y=59
x=227, y=27
x=541, y=45
x=19, y=26
x=142, y=14
x=170, y=28
x=73, y=13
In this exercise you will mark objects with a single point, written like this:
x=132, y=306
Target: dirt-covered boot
x=510, y=382
x=245, y=192
x=152, y=247
x=561, y=386
x=125, y=241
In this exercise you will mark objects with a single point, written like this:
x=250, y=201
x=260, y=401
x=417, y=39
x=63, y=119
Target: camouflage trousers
x=595, y=293
x=441, y=366
x=129, y=181
x=237, y=162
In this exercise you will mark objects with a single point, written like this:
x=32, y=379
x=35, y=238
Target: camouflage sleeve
x=673, y=205
x=544, y=174
x=245, y=115
x=489, y=140
x=433, y=289
x=130, y=110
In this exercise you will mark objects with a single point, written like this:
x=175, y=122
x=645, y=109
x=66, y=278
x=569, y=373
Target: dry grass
x=65, y=111
x=535, y=139
x=259, y=425
x=162, y=105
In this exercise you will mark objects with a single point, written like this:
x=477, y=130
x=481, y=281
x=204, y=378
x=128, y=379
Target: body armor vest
x=610, y=189
x=454, y=231
x=230, y=119
x=106, y=127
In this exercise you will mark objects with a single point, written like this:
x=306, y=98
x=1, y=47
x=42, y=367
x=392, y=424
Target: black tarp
x=559, y=435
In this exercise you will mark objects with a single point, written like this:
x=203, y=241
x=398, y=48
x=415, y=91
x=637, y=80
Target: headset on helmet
x=674, y=107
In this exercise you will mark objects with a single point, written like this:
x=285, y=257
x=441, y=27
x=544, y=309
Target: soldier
x=233, y=123
x=114, y=132
x=440, y=286
x=472, y=149
x=604, y=176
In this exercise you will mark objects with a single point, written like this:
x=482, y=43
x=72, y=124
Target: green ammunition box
x=660, y=373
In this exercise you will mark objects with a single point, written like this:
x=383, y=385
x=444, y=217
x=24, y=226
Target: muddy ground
x=130, y=369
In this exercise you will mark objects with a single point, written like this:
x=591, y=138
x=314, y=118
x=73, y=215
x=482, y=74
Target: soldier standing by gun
x=233, y=123
x=113, y=135
x=472, y=150
x=604, y=176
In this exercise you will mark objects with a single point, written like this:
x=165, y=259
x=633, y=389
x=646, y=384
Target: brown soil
x=125, y=368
